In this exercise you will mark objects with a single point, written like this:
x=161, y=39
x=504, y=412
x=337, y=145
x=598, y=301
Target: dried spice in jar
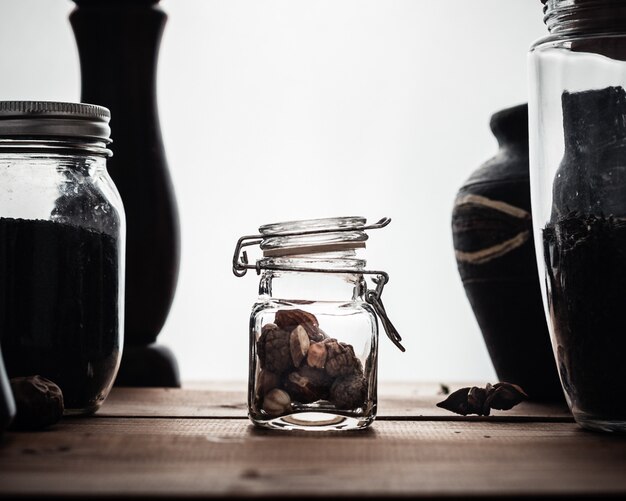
x=314, y=329
x=308, y=369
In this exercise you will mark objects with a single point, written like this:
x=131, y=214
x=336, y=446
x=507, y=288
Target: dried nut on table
x=38, y=400
x=300, y=364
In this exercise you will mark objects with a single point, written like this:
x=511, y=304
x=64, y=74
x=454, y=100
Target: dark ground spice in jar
x=59, y=314
x=586, y=272
x=585, y=253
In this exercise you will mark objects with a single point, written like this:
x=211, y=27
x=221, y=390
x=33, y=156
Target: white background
x=280, y=110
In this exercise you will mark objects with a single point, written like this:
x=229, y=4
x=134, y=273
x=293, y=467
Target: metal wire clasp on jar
x=314, y=327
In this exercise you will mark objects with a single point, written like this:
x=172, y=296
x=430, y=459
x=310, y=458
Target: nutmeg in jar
x=303, y=376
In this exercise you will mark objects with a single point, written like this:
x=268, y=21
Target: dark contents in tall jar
x=59, y=296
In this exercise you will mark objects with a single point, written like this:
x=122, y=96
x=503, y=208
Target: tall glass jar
x=578, y=187
x=314, y=329
x=62, y=236
x=7, y=403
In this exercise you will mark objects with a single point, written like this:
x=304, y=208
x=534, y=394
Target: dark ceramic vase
x=493, y=241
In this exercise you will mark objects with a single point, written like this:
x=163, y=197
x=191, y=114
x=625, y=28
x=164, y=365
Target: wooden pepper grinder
x=118, y=43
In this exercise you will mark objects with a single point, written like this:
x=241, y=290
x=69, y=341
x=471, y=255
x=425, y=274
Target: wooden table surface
x=197, y=442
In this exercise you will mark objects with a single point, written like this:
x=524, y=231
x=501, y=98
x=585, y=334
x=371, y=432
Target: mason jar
x=314, y=328
x=7, y=402
x=62, y=234
x=578, y=188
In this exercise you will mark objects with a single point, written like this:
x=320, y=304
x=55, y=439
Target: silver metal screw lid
x=50, y=119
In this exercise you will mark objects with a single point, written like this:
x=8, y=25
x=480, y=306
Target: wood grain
x=193, y=457
x=197, y=442
x=228, y=400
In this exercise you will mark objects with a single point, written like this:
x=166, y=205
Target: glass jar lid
x=311, y=236
x=316, y=243
x=54, y=126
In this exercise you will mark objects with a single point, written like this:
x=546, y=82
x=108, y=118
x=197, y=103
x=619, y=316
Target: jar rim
x=584, y=16
x=328, y=261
